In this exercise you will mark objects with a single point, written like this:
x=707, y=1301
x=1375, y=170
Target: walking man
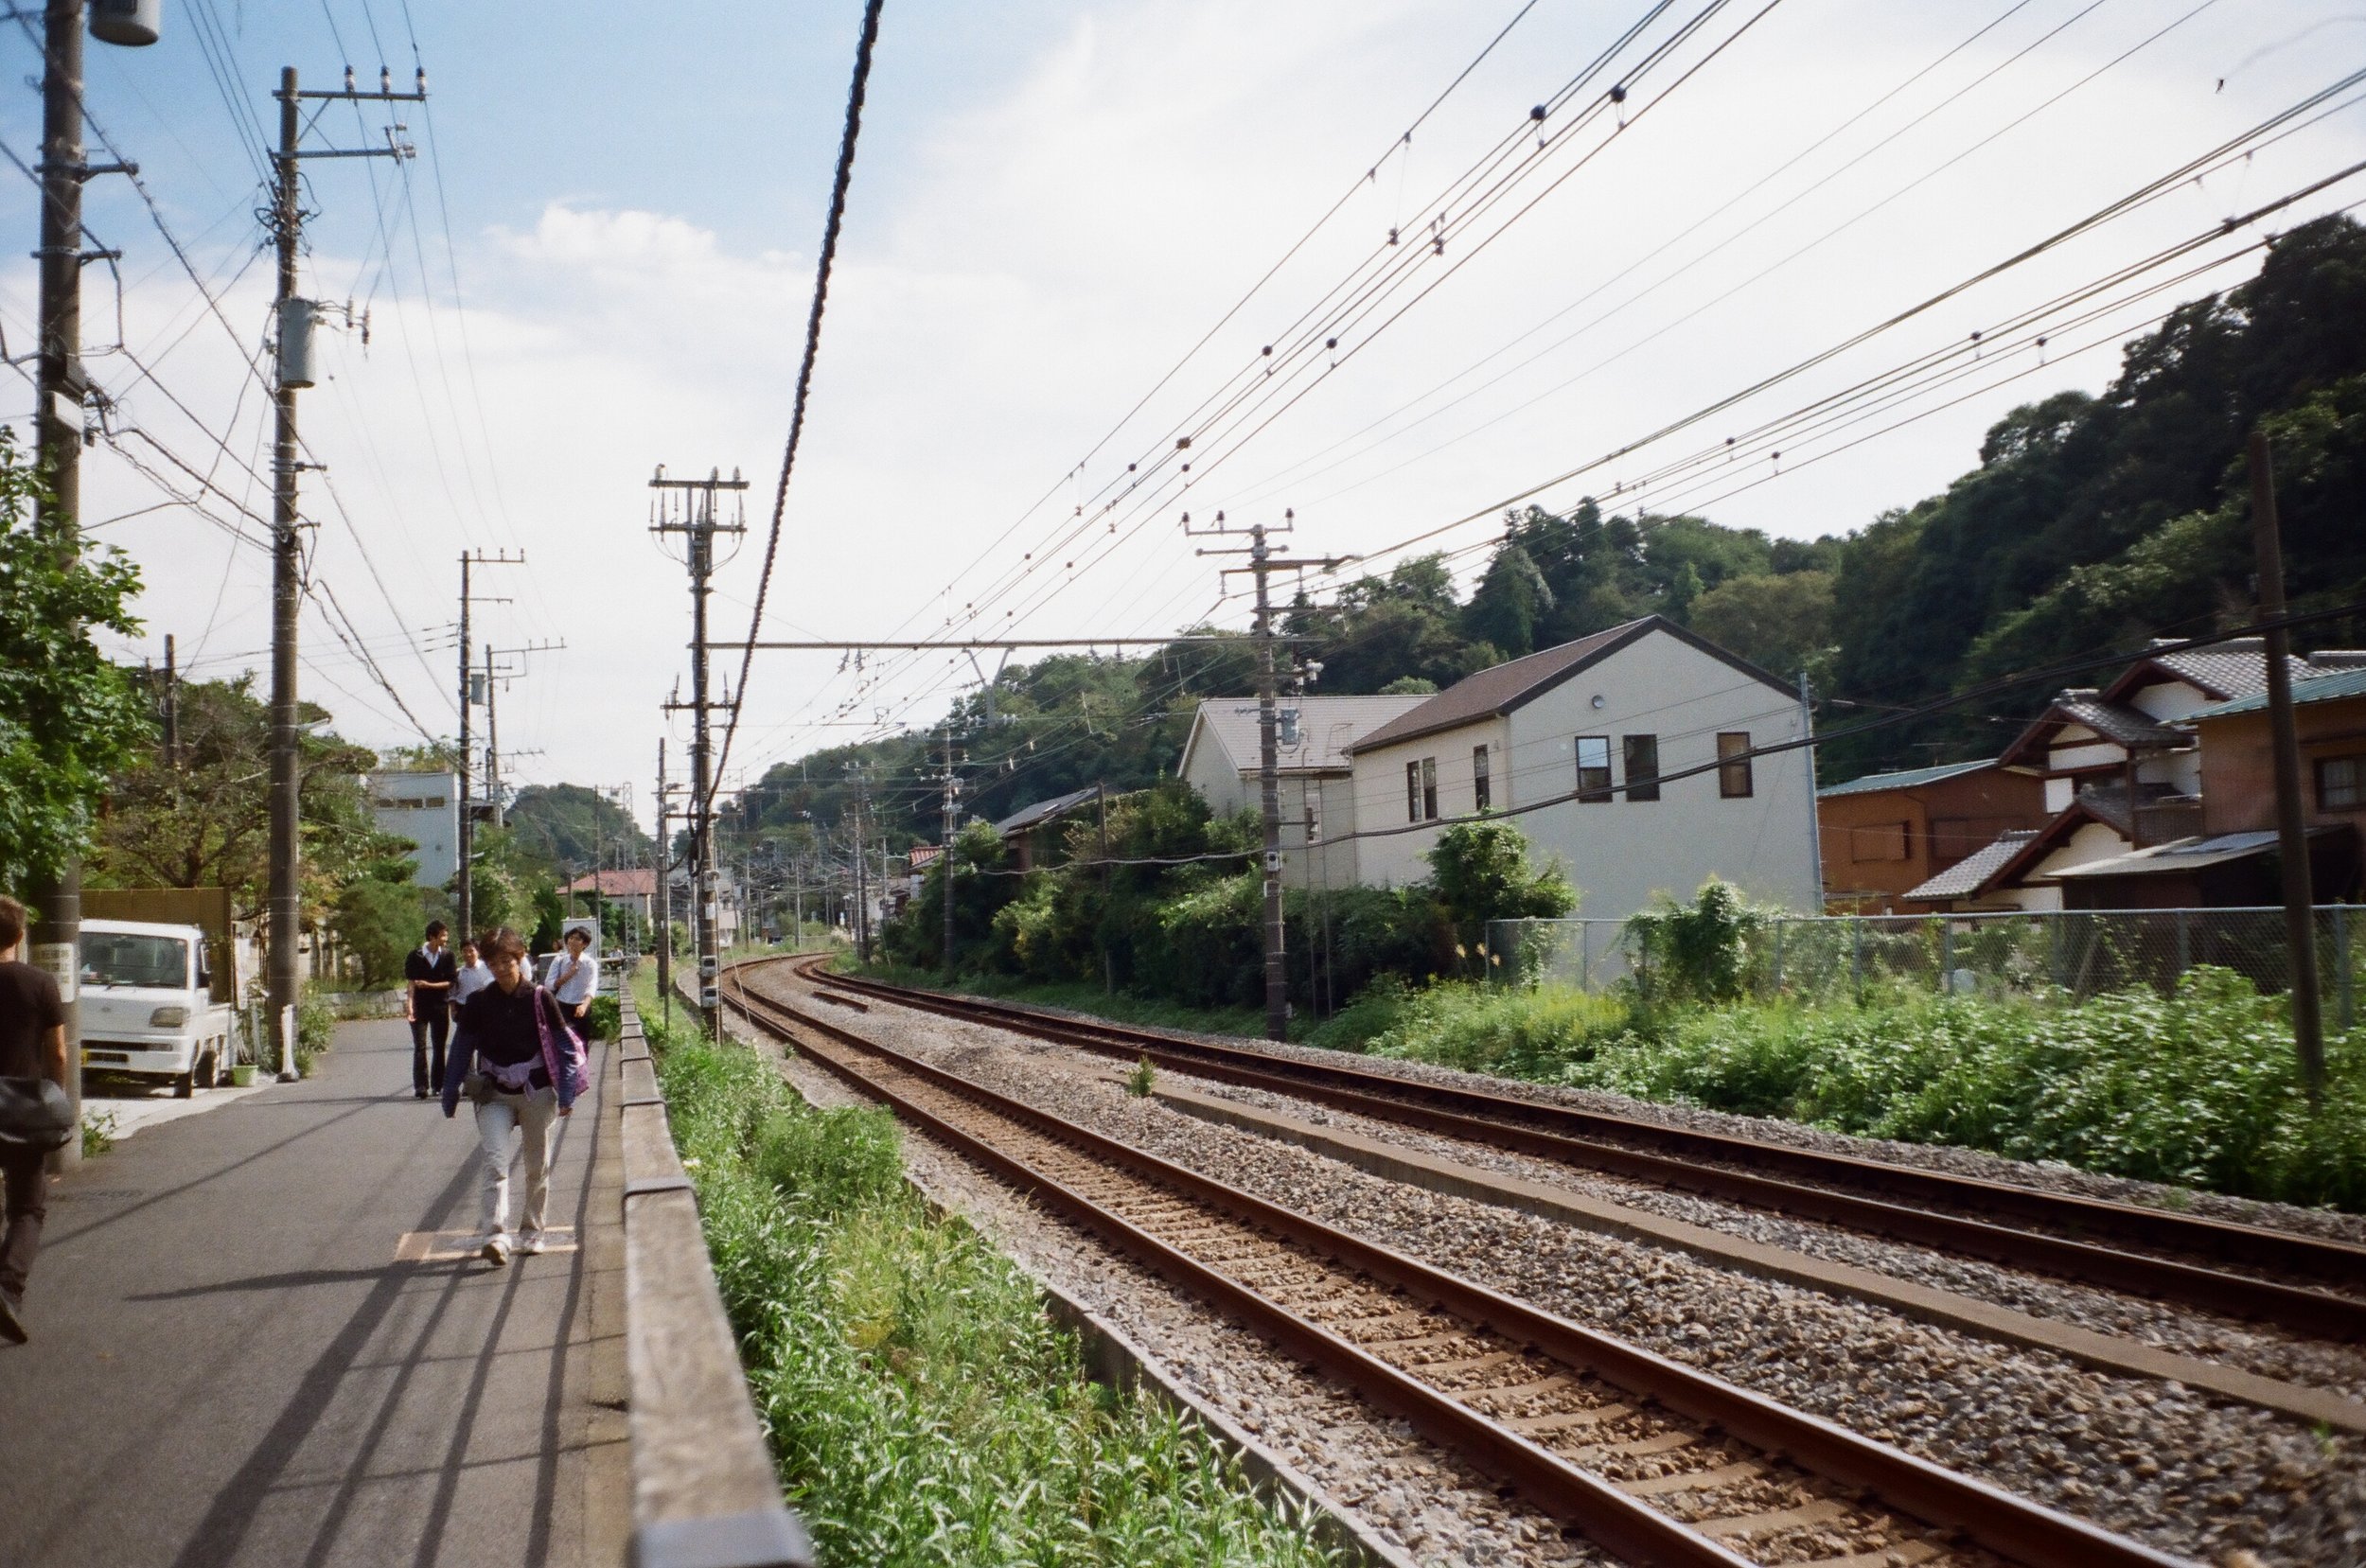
x=428, y=976
x=575, y=979
x=32, y=1044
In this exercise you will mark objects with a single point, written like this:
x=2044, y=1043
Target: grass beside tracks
x=922, y=1407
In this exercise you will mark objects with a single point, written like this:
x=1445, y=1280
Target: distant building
x=1625, y=755
x=632, y=890
x=425, y=809
x=1886, y=834
x=1032, y=835
x=1222, y=761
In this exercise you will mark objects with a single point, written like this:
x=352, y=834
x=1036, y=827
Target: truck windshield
x=111, y=957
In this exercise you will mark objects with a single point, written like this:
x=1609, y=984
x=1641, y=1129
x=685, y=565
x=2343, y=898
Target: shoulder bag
x=35, y=1115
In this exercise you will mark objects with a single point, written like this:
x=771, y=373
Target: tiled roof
x=1503, y=687
x=2185, y=855
x=1963, y=879
x=2116, y=722
x=2316, y=688
x=1909, y=779
x=1044, y=811
x=1327, y=728
x=618, y=884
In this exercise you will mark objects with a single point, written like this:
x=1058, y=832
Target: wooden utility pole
x=952, y=816
x=2300, y=917
x=464, y=887
x=1262, y=564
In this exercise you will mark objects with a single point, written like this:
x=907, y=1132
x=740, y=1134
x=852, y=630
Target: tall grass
x=921, y=1407
x=2197, y=1087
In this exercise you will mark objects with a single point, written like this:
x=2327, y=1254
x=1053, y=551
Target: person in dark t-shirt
x=428, y=974
x=32, y=1044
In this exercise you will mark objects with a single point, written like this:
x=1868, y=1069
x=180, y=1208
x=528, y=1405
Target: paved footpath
x=256, y=1340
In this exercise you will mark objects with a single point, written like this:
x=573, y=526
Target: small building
x=634, y=890
x=1312, y=735
x=425, y=809
x=1629, y=756
x=1887, y=834
x=1032, y=835
x=2220, y=872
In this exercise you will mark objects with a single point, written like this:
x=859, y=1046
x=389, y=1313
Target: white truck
x=148, y=1005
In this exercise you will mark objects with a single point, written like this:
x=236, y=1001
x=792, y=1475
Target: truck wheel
x=208, y=1070
x=185, y=1085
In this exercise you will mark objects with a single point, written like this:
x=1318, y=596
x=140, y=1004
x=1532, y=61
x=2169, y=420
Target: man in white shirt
x=475, y=973
x=575, y=978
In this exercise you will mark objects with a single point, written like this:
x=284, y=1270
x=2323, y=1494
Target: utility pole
x=60, y=390
x=1262, y=564
x=1108, y=964
x=665, y=887
x=862, y=895
x=952, y=796
x=496, y=679
x=2299, y=918
x=687, y=506
x=294, y=315
x=464, y=890
x=1816, y=824
x=172, y=705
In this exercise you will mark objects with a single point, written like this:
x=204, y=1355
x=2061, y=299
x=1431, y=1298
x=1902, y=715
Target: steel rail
x=2014, y=1527
x=1966, y=1222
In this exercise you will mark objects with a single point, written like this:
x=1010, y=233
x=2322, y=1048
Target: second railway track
x=2251, y=1272
x=1654, y=1460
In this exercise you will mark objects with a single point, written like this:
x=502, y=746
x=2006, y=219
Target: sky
x=602, y=258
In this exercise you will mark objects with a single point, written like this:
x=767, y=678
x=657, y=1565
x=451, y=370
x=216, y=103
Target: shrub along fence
x=2075, y=953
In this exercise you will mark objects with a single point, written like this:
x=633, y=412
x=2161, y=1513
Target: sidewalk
x=256, y=1341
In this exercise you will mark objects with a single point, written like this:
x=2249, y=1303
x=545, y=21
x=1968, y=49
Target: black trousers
x=427, y=1070
x=28, y=1204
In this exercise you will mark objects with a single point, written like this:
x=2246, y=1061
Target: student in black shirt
x=429, y=974
x=32, y=1044
x=512, y=1036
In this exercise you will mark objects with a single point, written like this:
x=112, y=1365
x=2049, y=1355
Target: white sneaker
x=496, y=1249
x=534, y=1243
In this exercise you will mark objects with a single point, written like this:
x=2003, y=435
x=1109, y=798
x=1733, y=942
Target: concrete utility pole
x=687, y=506
x=496, y=679
x=294, y=315
x=60, y=390
x=863, y=892
x=1816, y=824
x=665, y=887
x=2299, y=918
x=463, y=891
x=1262, y=564
x=952, y=817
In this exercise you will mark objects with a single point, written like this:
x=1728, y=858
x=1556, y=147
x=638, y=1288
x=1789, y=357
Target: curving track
x=2251, y=1272
x=1657, y=1462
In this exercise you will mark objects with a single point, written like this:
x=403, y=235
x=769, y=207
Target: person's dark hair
x=471, y=946
x=437, y=928
x=495, y=944
x=578, y=931
x=11, y=923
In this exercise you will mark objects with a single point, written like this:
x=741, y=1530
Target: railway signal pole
x=1262, y=564
x=464, y=889
x=294, y=315
x=687, y=506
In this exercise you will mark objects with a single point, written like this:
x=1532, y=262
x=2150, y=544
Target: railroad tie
x=1698, y=1480
x=1904, y=1555
x=1562, y=1421
x=1816, y=1510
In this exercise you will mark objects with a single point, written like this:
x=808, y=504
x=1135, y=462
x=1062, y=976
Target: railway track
x=2250, y=1271
x=1653, y=1460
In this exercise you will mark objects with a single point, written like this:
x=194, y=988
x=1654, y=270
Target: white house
x=1575, y=743
x=424, y=808
x=1221, y=761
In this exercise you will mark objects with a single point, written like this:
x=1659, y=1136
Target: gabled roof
x=1327, y=728
x=618, y=884
x=1503, y=687
x=2236, y=667
x=1044, y=811
x=1910, y=777
x=2116, y=722
x=1965, y=876
x=2315, y=688
x=2107, y=806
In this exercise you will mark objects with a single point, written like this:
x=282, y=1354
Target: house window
x=1593, y=767
x=1429, y=789
x=1879, y=841
x=1480, y=791
x=2341, y=783
x=1642, y=767
x=1412, y=792
x=1733, y=764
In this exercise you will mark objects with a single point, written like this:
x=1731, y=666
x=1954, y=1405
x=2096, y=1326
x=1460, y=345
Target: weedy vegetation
x=922, y=1407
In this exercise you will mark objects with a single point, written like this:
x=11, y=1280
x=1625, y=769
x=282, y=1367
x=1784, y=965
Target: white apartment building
x=424, y=808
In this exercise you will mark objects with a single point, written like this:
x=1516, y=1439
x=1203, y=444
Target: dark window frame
x=1598, y=789
x=1736, y=780
x=1413, y=791
x=1640, y=753
x=2356, y=787
x=1482, y=780
x=1429, y=789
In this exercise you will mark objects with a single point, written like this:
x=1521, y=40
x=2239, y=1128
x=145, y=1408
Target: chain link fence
x=2074, y=953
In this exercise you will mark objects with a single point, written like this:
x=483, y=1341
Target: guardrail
x=704, y=1493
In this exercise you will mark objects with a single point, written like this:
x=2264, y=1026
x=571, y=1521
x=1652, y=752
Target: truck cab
x=148, y=1005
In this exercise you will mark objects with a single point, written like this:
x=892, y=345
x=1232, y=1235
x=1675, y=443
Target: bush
x=1698, y=952
x=602, y=1019
x=316, y=1031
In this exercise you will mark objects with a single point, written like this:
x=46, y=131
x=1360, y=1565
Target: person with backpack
x=522, y=1066
x=32, y=1055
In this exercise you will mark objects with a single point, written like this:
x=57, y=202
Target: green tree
x=1780, y=623
x=1480, y=872
x=379, y=918
x=68, y=718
